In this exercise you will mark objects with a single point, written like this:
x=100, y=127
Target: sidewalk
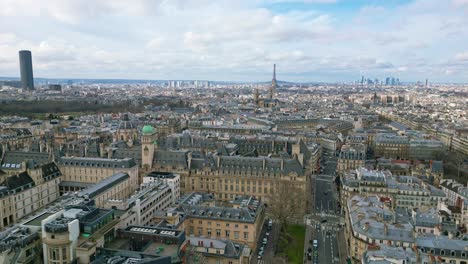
x=308, y=236
x=342, y=247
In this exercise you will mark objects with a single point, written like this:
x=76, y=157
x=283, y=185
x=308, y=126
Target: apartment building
x=351, y=157
x=203, y=218
x=31, y=188
x=392, y=146
x=370, y=222
x=402, y=191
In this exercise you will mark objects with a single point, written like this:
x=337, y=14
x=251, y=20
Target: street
x=269, y=248
x=324, y=221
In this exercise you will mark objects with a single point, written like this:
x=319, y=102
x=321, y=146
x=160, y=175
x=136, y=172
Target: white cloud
x=462, y=56
x=232, y=39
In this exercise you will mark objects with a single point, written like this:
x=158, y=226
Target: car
x=310, y=241
x=323, y=221
x=260, y=253
x=315, y=243
x=309, y=249
x=264, y=241
x=259, y=257
x=267, y=234
x=309, y=256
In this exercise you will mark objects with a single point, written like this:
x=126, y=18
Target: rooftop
x=103, y=185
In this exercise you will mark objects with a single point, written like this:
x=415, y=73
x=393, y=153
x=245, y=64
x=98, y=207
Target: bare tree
x=458, y=159
x=287, y=203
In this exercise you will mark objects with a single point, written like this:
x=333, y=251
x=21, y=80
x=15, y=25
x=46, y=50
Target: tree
x=458, y=159
x=288, y=202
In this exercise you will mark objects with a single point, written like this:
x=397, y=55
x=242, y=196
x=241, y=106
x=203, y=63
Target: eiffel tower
x=274, y=84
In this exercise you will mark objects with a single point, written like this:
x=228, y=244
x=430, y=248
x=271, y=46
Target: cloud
x=462, y=56
x=234, y=39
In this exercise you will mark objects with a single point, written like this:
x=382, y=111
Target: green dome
x=147, y=129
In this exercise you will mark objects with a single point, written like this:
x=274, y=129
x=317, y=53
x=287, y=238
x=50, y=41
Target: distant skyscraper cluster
x=392, y=81
x=389, y=81
x=26, y=70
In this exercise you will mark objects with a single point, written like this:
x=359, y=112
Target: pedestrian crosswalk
x=324, y=214
x=261, y=261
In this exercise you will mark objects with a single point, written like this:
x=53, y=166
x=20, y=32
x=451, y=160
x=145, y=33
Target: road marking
x=325, y=180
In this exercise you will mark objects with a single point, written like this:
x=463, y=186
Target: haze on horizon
x=309, y=40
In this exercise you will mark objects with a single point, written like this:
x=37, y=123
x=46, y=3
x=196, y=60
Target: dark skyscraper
x=27, y=79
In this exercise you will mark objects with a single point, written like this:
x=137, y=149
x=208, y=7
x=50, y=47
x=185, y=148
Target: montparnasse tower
x=274, y=84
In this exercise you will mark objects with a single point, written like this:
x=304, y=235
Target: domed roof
x=147, y=129
x=126, y=125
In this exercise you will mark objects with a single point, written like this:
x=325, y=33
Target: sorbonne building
x=227, y=176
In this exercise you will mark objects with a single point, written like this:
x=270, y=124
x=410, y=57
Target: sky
x=237, y=40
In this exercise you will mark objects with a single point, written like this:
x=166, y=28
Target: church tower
x=274, y=84
x=256, y=96
x=148, y=146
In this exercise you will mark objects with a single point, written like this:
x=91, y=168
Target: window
x=218, y=232
x=246, y=235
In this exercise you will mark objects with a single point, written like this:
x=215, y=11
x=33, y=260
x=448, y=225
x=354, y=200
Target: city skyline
x=311, y=41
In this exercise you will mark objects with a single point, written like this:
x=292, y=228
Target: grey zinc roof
x=256, y=164
x=230, y=249
x=172, y=157
x=370, y=218
x=388, y=255
x=233, y=214
x=97, y=162
x=103, y=185
x=442, y=242
x=192, y=205
x=427, y=219
x=17, y=181
x=17, y=157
